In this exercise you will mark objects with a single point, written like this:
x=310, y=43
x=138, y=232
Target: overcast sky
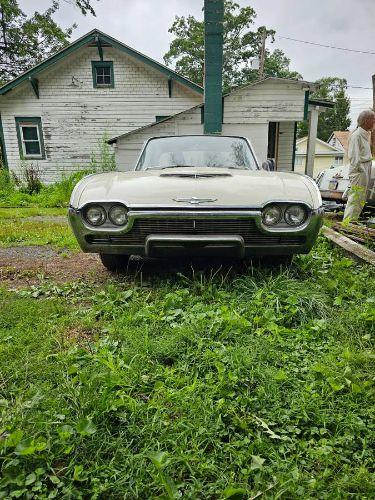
x=143, y=24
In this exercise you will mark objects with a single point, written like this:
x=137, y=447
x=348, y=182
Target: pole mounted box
x=213, y=65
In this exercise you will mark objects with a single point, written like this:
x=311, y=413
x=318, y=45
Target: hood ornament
x=194, y=200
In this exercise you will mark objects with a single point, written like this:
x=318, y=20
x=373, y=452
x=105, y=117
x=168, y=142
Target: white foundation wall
x=76, y=116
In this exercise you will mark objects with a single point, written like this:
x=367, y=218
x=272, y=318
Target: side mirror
x=269, y=165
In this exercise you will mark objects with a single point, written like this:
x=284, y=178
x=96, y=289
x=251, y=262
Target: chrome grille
x=242, y=227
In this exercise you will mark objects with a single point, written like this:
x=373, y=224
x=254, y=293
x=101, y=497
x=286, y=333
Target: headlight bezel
x=98, y=206
x=284, y=223
x=111, y=218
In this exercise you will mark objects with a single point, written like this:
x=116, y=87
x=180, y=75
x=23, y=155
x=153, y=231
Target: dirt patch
x=79, y=335
x=60, y=219
x=30, y=265
x=20, y=266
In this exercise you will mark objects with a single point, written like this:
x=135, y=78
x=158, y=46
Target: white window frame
x=34, y=122
x=23, y=140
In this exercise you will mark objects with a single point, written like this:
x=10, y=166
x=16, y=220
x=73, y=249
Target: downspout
x=213, y=64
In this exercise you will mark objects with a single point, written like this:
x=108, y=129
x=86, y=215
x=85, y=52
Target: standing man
x=360, y=158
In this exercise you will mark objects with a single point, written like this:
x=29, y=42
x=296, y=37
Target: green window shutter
x=30, y=138
x=102, y=74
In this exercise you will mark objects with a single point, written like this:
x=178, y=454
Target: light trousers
x=359, y=182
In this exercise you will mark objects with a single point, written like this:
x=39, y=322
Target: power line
x=326, y=46
x=357, y=87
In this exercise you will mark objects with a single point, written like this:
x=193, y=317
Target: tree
x=26, y=41
x=240, y=46
x=330, y=89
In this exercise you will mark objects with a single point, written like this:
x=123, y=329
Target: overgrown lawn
x=208, y=385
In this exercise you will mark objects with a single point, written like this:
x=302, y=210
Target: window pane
x=103, y=75
x=29, y=133
x=32, y=148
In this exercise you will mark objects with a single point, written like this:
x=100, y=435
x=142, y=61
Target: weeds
x=29, y=190
x=201, y=386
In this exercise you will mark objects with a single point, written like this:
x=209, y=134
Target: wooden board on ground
x=353, y=249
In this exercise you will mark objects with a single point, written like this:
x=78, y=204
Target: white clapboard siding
x=271, y=100
x=285, y=147
x=247, y=112
x=76, y=116
x=129, y=147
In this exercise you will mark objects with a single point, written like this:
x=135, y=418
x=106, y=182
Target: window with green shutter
x=30, y=137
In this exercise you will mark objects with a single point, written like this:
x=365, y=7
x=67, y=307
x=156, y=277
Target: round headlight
x=118, y=215
x=95, y=215
x=295, y=215
x=271, y=215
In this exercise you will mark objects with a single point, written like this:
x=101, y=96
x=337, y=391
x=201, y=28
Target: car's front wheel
x=114, y=262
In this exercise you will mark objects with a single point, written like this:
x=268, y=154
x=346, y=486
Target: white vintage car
x=195, y=195
x=334, y=184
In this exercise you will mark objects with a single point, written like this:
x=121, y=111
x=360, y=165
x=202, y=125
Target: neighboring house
x=55, y=115
x=266, y=112
x=340, y=140
x=326, y=156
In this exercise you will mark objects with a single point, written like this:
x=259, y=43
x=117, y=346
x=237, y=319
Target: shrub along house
x=54, y=116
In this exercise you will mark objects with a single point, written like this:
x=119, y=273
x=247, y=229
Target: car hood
x=177, y=187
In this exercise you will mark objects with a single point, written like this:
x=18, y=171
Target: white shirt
x=359, y=150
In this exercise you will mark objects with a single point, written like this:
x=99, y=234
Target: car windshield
x=197, y=151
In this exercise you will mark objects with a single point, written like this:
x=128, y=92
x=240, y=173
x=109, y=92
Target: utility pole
x=373, y=107
x=262, y=54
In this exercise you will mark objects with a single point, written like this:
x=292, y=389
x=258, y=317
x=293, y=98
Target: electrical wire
x=326, y=46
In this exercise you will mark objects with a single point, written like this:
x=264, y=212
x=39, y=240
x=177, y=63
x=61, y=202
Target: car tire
x=114, y=262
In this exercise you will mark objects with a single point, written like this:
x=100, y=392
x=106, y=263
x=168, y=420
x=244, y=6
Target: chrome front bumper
x=110, y=240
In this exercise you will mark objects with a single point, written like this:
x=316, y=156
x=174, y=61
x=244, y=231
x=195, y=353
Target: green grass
x=212, y=385
x=18, y=232
x=52, y=195
x=17, y=213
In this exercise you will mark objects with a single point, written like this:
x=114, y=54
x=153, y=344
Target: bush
x=34, y=193
x=29, y=190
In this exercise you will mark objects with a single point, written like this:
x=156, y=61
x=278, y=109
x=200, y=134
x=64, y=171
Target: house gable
x=322, y=148
x=99, y=40
x=76, y=115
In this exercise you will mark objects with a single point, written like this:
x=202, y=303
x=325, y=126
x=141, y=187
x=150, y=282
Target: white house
x=55, y=115
x=267, y=112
